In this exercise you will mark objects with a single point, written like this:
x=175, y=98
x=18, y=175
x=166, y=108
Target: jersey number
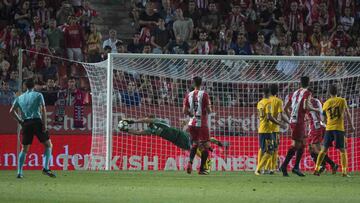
x=334, y=112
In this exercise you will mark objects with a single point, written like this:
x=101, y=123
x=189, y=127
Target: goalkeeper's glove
x=129, y=121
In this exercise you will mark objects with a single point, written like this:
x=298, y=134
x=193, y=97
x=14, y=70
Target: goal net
x=133, y=86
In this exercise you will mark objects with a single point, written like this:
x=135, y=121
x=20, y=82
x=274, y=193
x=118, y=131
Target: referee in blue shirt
x=33, y=121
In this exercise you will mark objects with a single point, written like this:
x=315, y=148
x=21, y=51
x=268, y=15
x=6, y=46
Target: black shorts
x=266, y=142
x=33, y=127
x=334, y=135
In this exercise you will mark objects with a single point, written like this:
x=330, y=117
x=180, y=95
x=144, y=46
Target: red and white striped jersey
x=197, y=101
x=315, y=117
x=297, y=100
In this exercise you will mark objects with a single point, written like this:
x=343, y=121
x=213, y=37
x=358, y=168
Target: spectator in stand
x=202, y=46
x=241, y=46
x=135, y=46
x=357, y=46
x=194, y=14
x=147, y=90
x=36, y=30
x=300, y=47
x=183, y=26
x=85, y=14
x=74, y=40
x=178, y=46
x=112, y=40
x=64, y=13
x=43, y=13
x=49, y=70
x=260, y=48
x=121, y=47
x=149, y=17
x=146, y=49
x=326, y=17
x=212, y=15
x=160, y=37
x=104, y=55
x=70, y=92
x=55, y=38
x=38, y=52
x=340, y=38
x=267, y=23
x=29, y=71
x=12, y=40
x=23, y=16
x=14, y=81
x=131, y=96
x=235, y=17
x=7, y=96
x=50, y=92
x=294, y=20
x=315, y=37
x=93, y=44
x=347, y=20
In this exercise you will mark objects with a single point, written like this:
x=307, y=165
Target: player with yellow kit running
x=335, y=109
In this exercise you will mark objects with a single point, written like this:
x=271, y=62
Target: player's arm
x=309, y=106
x=287, y=109
x=283, y=117
x=274, y=120
x=185, y=109
x=209, y=107
x=14, y=114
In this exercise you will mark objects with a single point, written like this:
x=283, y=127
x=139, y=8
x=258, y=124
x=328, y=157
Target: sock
x=314, y=156
x=299, y=154
x=289, y=156
x=192, y=153
x=319, y=160
x=204, y=158
x=47, y=155
x=268, y=164
x=274, y=160
x=329, y=161
x=260, y=154
x=22, y=156
x=344, y=162
x=266, y=156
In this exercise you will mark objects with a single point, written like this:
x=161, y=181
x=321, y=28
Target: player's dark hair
x=197, y=81
x=305, y=81
x=29, y=83
x=333, y=90
x=274, y=89
x=266, y=91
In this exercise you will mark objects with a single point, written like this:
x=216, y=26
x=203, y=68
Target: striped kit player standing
x=197, y=106
x=299, y=103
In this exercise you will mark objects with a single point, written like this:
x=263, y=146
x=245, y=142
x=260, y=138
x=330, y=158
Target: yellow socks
x=264, y=159
x=259, y=156
x=344, y=162
x=319, y=160
x=274, y=160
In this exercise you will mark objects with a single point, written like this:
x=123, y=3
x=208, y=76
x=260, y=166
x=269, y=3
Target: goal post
x=138, y=85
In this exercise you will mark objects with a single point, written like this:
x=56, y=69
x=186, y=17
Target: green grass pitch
x=131, y=186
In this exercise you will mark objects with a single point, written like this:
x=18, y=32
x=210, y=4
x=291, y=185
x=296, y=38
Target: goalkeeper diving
x=178, y=137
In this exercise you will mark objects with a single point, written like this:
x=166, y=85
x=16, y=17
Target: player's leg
x=193, y=150
x=44, y=138
x=274, y=158
x=21, y=161
x=340, y=144
x=266, y=145
x=27, y=138
x=289, y=155
x=328, y=138
x=300, y=146
x=204, y=147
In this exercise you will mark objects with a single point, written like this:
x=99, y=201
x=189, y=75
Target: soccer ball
x=123, y=125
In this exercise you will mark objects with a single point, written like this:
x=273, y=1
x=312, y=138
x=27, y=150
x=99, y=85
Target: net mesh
x=146, y=85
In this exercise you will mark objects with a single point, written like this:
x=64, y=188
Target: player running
x=266, y=139
x=277, y=113
x=335, y=108
x=179, y=138
x=299, y=102
x=34, y=122
x=316, y=133
x=197, y=106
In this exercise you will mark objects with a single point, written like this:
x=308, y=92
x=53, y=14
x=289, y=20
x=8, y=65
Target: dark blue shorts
x=334, y=135
x=266, y=142
x=276, y=139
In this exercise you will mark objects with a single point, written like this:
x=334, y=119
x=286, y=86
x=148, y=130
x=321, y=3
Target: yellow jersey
x=276, y=110
x=335, y=111
x=264, y=108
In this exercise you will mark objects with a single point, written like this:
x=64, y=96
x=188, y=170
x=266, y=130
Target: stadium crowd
x=240, y=27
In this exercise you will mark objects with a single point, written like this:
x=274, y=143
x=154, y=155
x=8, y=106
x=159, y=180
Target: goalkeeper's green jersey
x=176, y=136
